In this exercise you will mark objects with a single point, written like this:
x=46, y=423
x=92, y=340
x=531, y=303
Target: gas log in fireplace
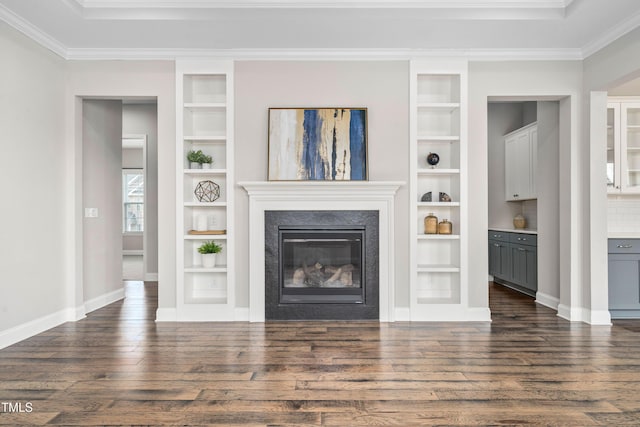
x=321, y=265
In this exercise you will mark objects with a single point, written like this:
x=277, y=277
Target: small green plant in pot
x=209, y=249
x=206, y=161
x=194, y=158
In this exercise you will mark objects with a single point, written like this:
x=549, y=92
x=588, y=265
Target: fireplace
x=321, y=265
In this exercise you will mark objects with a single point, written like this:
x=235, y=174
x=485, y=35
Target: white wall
x=124, y=79
x=32, y=184
x=138, y=119
x=519, y=80
x=132, y=158
x=102, y=190
x=382, y=87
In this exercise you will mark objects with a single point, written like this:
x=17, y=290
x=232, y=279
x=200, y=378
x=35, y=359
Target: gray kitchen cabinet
x=624, y=278
x=513, y=260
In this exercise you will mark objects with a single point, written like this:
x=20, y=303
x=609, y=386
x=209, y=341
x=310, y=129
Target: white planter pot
x=206, y=166
x=201, y=223
x=208, y=260
x=195, y=165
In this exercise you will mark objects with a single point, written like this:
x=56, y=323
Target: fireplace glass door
x=321, y=266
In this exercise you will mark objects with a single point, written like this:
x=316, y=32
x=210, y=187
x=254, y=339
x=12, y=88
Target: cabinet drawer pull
x=496, y=245
x=625, y=246
x=523, y=239
x=522, y=249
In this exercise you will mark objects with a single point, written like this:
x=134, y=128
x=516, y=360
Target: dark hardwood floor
x=527, y=367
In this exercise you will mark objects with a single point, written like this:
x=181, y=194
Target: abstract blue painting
x=310, y=144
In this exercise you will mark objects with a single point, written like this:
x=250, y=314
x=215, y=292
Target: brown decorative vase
x=519, y=222
x=445, y=227
x=431, y=224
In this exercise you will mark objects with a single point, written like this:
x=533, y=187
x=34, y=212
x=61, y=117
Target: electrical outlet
x=90, y=212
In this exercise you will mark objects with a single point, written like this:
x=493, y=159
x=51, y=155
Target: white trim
x=572, y=314
x=402, y=314
x=103, y=300
x=599, y=317
x=34, y=327
x=547, y=300
x=579, y=314
x=611, y=35
x=452, y=313
x=324, y=54
x=313, y=195
x=242, y=314
x=151, y=277
x=416, y=4
x=166, y=315
x=32, y=31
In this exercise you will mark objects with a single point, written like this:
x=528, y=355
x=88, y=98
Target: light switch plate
x=90, y=212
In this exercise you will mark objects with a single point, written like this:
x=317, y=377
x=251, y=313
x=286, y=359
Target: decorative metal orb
x=426, y=197
x=433, y=159
x=207, y=191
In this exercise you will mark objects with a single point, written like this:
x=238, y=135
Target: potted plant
x=194, y=159
x=206, y=161
x=209, y=249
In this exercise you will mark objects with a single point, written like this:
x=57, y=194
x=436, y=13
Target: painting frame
x=318, y=144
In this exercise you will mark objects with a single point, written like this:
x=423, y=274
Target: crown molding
x=428, y=4
x=612, y=35
x=32, y=31
x=327, y=54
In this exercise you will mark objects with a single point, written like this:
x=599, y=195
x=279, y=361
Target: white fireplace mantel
x=321, y=195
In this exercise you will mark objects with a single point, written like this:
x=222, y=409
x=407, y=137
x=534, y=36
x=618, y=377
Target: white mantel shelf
x=313, y=195
x=323, y=189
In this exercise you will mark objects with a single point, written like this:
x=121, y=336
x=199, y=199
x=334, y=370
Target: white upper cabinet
x=623, y=147
x=521, y=162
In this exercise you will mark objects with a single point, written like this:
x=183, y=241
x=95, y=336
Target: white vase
x=208, y=260
x=195, y=165
x=206, y=166
x=201, y=223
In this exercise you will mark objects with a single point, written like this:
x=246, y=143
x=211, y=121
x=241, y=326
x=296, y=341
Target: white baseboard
x=402, y=314
x=34, y=327
x=103, y=300
x=547, y=300
x=151, y=277
x=579, y=314
x=241, y=314
x=166, y=315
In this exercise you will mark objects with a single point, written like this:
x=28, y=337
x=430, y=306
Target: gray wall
x=102, y=178
x=382, y=87
x=33, y=164
x=143, y=119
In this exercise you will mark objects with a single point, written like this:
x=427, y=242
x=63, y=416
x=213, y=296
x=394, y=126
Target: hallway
x=528, y=366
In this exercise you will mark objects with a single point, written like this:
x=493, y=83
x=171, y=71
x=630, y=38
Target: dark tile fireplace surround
x=321, y=265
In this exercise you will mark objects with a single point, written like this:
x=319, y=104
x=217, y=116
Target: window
x=133, y=200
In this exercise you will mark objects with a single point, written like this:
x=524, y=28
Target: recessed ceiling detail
x=161, y=29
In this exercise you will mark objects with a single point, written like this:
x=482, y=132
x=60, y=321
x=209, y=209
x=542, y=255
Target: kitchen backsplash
x=623, y=215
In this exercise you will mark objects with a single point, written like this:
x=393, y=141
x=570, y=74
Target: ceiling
x=547, y=29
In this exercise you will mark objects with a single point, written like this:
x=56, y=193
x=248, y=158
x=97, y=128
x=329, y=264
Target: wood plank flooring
x=527, y=367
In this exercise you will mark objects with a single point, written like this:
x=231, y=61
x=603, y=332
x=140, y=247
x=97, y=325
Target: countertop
x=624, y=235
x=515, y=230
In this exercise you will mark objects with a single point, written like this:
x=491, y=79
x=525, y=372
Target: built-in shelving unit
x=204, y=121
x=623, y=145
x=438, y=125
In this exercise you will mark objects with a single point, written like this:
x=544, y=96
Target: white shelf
x=204, y=120
x=205, y=171
x=196, y=269
x=437, y=171
x=205, y=105
x=447, y=106
x=438, y=204
x=438, y=269
x=205, y=204
x=438, y=138
x=438, y=237
x=205, y=138
x=205, y=237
